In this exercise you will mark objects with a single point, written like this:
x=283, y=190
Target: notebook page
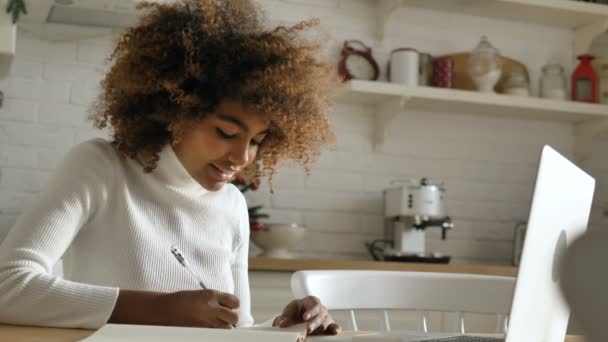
x=150, y=333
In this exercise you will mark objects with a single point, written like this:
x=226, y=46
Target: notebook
x=152, y=333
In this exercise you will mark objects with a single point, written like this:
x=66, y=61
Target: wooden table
x=14, y=333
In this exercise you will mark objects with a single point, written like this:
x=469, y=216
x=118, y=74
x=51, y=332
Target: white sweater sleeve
x=240, y=266
x=29, y=293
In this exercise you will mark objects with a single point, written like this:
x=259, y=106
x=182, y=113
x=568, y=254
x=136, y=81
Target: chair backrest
x=420, y=291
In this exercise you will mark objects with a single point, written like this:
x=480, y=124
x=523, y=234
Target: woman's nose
x=239, y=154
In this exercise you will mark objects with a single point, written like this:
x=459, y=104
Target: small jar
x=443, y=72
x=553, y=82
x=517, y=83
x=603, y=74
x=425, y=69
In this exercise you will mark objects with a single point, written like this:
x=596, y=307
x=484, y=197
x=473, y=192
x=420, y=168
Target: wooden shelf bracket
x=383, y=13
x=385, y=113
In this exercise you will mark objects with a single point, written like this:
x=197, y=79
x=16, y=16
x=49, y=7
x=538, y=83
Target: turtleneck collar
x=170, y=170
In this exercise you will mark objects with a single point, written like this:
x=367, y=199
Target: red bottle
x=584, y=80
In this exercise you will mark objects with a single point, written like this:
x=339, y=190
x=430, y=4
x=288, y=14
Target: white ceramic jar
x=403, y=66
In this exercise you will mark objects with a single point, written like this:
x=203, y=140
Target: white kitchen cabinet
x=270, y=292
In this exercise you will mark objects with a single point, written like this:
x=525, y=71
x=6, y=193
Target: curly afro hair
x=182, y=59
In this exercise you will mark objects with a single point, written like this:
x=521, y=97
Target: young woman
x=198, y=91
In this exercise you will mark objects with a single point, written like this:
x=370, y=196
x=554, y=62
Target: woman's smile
x=223, y=174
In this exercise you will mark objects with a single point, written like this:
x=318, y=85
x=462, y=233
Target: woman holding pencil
x=197, y=92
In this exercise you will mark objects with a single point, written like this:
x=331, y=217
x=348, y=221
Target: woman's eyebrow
x=241, y=124
x=233, y=120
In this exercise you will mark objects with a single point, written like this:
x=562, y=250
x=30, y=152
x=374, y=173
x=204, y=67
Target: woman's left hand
x=308, y=309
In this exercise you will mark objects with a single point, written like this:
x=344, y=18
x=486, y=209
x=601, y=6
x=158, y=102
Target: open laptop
x=559, y=213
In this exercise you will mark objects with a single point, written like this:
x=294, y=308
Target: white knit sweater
x=114, y=225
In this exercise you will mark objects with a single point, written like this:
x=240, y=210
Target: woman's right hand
x=198, y=308
x=202, y=308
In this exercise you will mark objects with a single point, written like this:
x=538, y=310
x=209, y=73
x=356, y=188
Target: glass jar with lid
x=553, y=82
x=517, y=83
x=485, y=65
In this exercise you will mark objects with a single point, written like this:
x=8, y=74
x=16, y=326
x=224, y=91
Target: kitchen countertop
x=292, y=265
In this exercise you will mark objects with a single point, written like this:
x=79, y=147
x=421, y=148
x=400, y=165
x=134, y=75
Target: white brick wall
x=488, y=163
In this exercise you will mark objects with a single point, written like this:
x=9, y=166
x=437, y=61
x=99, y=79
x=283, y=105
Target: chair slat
x=386, y=326
x=353, y=320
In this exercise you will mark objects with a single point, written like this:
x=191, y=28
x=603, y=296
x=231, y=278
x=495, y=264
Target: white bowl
x=277, y=239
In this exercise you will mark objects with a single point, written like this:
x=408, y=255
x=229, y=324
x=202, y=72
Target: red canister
x=443, y=72
x=584, y=80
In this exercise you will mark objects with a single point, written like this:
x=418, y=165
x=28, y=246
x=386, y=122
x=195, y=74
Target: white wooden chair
x=417, y=291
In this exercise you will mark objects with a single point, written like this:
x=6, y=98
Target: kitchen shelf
x=587, y=20
x=391, y=99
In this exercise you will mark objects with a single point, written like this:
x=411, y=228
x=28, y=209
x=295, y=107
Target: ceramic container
x=278, y=240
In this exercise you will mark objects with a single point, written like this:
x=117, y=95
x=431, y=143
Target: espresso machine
x=409, y=210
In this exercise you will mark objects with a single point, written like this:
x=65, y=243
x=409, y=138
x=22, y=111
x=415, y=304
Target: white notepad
x=150, y=333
